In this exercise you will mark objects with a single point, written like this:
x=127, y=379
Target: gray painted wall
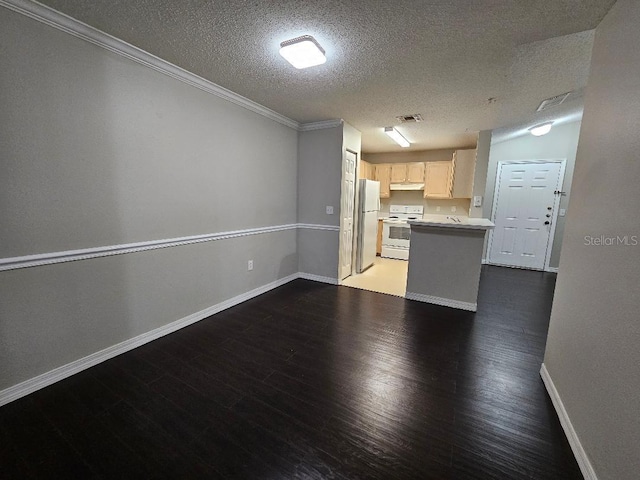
x=441, y=155
x=445, y=263
x=319, y=174
x=480, y=175
x=319, y=177
x=561, y=142
x=593, y=352
x=98, y=150
x=53, y=315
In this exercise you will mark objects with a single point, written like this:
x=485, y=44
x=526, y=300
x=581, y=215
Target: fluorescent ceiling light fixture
x=397, y=137
x=542, y=129
x=303, y=52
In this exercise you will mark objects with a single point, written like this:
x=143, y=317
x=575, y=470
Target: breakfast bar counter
x=445, y=260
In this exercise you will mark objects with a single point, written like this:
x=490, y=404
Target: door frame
x=356, y=197
x=554, y=219
x=356, y=215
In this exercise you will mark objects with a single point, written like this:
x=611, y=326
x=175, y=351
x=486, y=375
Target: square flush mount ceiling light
x=397, y=137
x=541, y=129
x=303, y=52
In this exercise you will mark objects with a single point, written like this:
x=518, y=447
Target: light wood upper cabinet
x=383, y=175
x=363, y=169
x=407, y=172
x=367, y=170
x=415, y=172
x=464, y=165
x=438, y=179
x=398, y=173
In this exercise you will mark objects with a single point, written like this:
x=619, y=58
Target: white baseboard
x=318, y=278
x=446, y=302
x=581, y=456
x=33, y=384
x=552, y=269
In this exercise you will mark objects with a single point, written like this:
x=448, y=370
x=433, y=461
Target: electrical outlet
x=454, y=209
x=329, y=210
x=477, y=201
x=250, y=265
x=562, y=212
x=438, y=208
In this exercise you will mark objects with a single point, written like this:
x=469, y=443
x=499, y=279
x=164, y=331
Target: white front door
x=524, y=212
x=347, y=201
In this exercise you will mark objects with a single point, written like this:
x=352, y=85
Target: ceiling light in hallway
x=541, y=129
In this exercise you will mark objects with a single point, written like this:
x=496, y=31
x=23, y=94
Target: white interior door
x=347, y=202
x=524, y=212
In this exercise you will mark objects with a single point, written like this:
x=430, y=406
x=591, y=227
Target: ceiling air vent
x=553, y=102
x=411, y=118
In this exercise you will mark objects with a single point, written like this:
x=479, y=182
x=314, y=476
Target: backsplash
x=403, y=197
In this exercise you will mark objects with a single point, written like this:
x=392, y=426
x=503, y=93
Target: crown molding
x=306, y=127
x=78, y=29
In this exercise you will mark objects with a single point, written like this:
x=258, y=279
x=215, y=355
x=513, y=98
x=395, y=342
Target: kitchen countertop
x=449, y=221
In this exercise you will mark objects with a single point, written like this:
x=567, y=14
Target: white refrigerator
x=367, y=224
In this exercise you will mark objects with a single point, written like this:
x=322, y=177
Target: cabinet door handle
x=547, y=222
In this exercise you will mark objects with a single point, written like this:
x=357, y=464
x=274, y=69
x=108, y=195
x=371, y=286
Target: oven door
x=396, y=234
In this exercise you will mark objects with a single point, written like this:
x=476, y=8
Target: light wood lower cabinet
x=379, y=240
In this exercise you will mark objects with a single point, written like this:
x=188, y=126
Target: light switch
x=329, y=210
x=477, y=201
x=562, y=212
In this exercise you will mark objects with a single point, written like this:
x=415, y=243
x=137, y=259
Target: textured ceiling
x=443, y=59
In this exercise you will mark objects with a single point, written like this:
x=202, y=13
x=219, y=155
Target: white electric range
x=396, y=231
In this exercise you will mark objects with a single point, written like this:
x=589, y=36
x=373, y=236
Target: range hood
x=407, y=186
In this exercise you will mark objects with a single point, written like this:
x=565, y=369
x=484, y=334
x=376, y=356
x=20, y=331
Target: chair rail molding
x=14, y=263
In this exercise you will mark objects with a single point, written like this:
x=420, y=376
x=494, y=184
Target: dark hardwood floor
x=312, y=381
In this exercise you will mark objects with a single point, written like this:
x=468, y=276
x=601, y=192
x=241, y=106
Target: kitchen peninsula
x=445, y=259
